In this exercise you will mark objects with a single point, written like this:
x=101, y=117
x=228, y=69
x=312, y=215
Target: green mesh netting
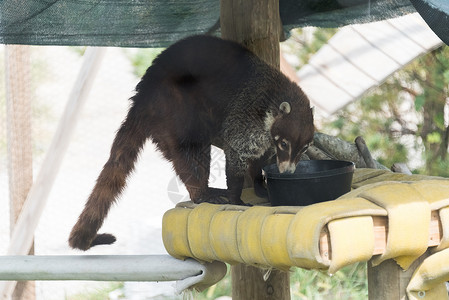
x=103, y=22
x=436, y=15
x=158, y=23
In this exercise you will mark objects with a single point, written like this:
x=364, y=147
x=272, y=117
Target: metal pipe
x=98, y=268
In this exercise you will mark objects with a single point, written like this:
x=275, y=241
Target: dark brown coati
x=201, y=91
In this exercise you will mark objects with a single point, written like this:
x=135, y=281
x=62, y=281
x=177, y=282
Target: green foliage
x=348, y=283
x=320, y=38
x=434, y=138
x=80, y=50
x=98, y=294
x=303, y=43
x=404, y=116
x=419, y=102
x=141, y=59
x=446, y=76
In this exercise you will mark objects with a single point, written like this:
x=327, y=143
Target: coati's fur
x=201, y=91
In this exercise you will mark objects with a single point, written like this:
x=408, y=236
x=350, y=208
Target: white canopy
x=359, y=57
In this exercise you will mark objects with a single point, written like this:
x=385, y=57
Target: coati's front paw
x=214, y=199
x=240, y=202
x=219, y=196
x=217, y=192
x=223, y=193
x=223, y=200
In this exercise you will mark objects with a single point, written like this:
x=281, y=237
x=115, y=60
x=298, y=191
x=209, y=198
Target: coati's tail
x=127, y=144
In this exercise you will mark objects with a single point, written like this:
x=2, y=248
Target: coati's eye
x=283, y=145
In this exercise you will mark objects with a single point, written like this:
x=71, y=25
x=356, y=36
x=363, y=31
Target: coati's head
x=292, y=132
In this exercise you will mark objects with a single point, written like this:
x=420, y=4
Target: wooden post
x=20, y=161
x=22, y=235
x=256, y=25
x=389, y=281
x=248, y=283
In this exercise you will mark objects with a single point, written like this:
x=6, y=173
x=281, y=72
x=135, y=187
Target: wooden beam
x=380, y=235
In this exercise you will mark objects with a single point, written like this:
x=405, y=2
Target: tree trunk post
x=254, y=24
x=257, y=26
x=20, y=161
x=389, y=281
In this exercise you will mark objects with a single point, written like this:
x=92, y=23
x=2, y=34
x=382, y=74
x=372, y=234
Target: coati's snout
x=292, y=133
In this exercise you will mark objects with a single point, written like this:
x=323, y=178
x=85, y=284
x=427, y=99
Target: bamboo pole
x=256, y=25
x=22, y=236
x=20, y=160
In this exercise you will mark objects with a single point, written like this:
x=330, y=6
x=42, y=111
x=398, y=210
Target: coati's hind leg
x=192, y=164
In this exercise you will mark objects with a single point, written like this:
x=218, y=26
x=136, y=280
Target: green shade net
x=158, y=23
x=436, y=15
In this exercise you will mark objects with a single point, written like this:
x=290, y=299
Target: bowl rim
x=347, y=167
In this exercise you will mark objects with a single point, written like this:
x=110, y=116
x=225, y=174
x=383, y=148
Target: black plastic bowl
x=313, y=181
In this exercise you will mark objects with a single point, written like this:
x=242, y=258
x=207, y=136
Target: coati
x=200, y=91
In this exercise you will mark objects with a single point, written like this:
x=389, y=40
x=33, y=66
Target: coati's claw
x=222, y=194
x=217, y=196
x=214, y=199
x=240, y=202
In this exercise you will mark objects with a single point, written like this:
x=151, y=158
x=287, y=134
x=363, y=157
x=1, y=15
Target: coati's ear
x=285, y=107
